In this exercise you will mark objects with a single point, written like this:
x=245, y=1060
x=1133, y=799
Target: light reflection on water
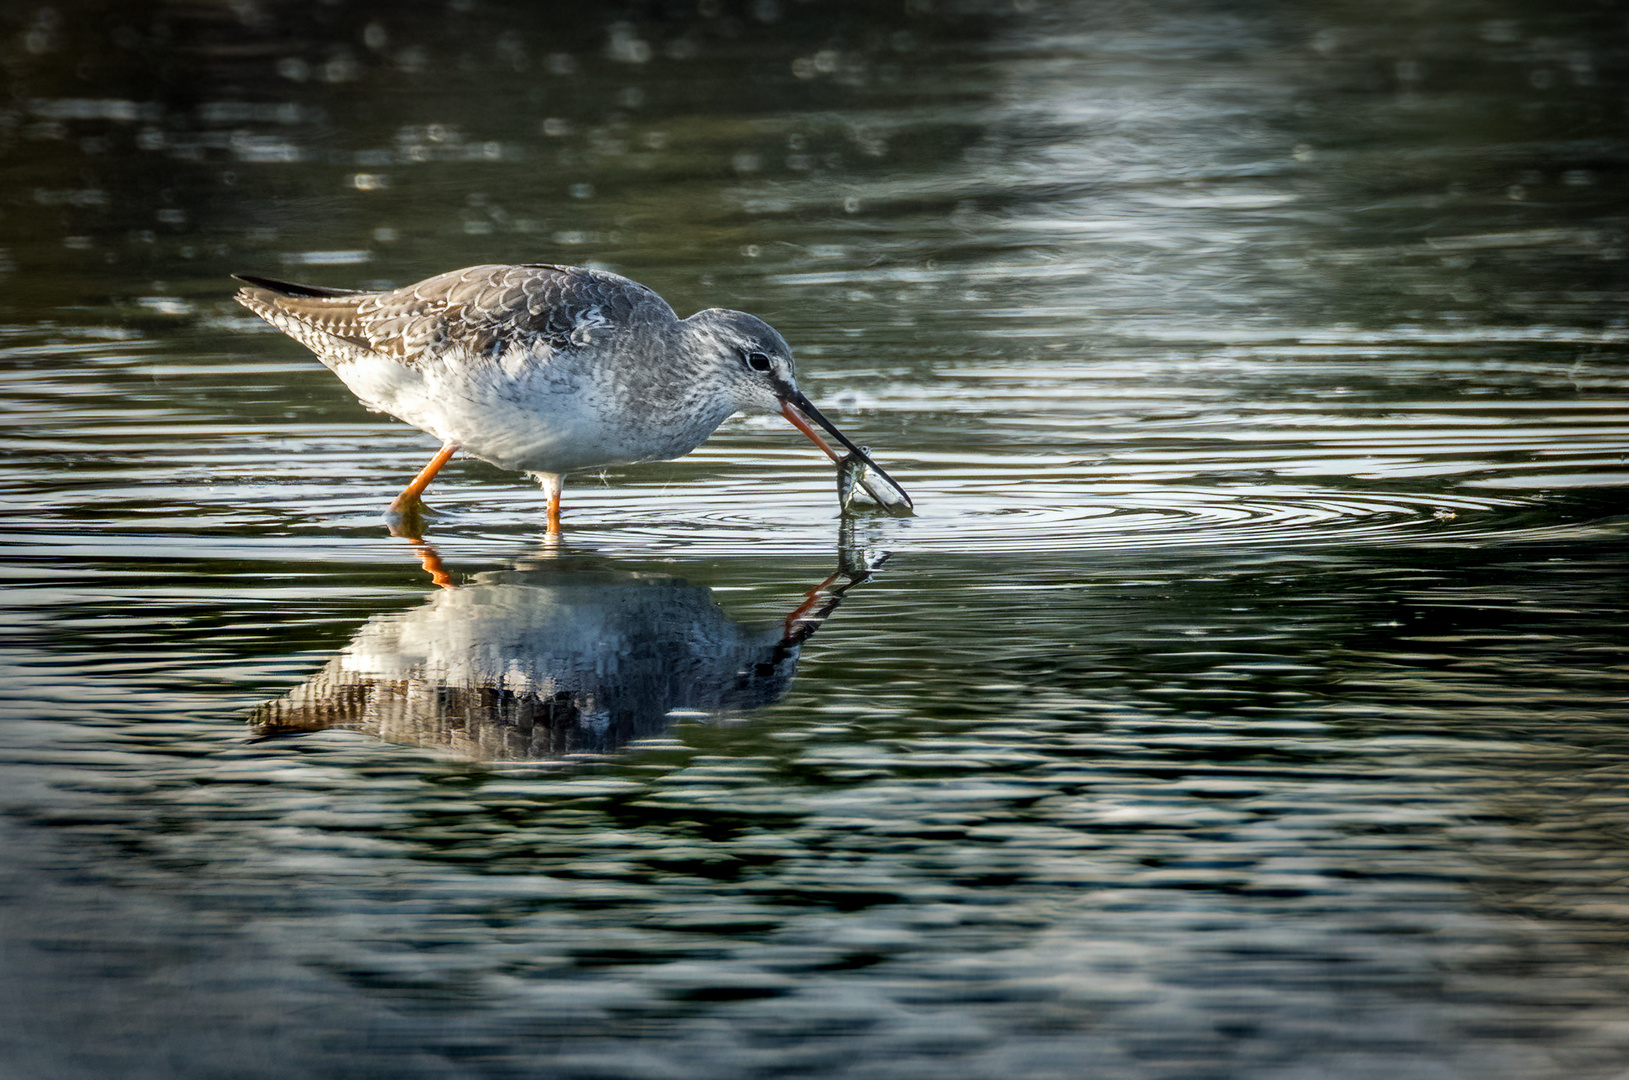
x=1244, y=699
x=1120, y=810
x=1122, y=447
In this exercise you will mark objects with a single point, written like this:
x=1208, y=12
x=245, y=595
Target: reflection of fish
x=539, y=663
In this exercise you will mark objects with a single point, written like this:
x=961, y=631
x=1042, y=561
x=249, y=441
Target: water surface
x=1245, y=698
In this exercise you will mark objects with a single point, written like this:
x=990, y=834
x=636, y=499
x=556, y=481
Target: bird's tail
x=288, y=288
x=314, y=315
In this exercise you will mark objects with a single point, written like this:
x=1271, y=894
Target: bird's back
x=479, y=311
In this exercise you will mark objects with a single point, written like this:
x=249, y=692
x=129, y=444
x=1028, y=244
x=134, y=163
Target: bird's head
x=753, y=359
x=757, y=366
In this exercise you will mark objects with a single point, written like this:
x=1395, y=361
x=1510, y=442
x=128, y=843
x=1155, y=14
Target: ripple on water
x=1065, y=514
x=1323, y=442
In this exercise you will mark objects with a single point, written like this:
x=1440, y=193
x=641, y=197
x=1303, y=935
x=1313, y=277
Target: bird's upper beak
x=883, y=488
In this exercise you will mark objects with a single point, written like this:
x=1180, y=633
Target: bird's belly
x=536, y=418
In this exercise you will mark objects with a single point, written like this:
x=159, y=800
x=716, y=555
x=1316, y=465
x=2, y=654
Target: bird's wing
x=485, y=309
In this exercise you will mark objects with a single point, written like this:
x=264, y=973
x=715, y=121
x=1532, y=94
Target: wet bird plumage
x=541, y=369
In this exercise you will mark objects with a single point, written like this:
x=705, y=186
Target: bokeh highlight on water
x=1245, y=698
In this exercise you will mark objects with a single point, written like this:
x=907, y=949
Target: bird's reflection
x=559, y=656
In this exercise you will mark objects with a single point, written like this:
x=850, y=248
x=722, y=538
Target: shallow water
x=1244, y=699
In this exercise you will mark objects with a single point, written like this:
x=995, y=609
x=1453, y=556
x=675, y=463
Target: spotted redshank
x=549, y=370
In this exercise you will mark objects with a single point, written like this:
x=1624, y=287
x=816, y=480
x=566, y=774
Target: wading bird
x=549, y=370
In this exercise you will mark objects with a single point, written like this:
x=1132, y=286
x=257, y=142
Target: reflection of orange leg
x=430, y=559
x=410, y=494
x=811, y=599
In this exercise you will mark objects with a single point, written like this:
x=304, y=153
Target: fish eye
x=758, y=361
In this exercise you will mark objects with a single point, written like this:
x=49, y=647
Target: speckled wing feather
x=483, y=309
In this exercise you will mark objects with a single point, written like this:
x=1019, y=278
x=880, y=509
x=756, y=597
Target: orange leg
x=410, y=494
x=552, y=482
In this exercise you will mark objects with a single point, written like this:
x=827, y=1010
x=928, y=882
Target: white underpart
x=529, y=410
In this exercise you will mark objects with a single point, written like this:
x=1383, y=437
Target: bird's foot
x=406, y=518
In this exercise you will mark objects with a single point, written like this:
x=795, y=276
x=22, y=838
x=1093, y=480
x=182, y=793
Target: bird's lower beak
x=795, y=406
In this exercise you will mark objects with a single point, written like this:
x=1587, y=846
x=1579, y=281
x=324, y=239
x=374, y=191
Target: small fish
x=849, y=470
x=854, y=472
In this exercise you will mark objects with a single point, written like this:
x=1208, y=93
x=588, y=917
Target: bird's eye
x=758, y=361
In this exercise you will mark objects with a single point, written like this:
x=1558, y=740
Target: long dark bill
x=795, y=403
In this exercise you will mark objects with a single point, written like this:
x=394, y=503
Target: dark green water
x=1246, y=699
